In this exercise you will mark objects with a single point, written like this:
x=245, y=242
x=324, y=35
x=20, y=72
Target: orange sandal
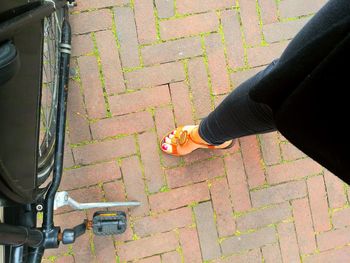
x=180, y=137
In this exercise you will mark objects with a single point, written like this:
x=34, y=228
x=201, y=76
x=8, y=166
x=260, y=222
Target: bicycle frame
x=26, y=235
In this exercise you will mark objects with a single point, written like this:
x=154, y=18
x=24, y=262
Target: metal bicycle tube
x=20, y=235
x=49, y=230
x=60, y=132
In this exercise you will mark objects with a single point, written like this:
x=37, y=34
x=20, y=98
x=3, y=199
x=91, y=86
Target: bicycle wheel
x=49, y=96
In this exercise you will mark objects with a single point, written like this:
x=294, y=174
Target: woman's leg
x=239, y=115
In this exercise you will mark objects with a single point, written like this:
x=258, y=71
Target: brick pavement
x=141, y=68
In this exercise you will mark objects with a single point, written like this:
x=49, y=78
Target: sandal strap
x=195, y=139
x=182, y=136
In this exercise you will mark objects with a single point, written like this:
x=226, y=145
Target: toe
x=167, y=140
x=166, y=147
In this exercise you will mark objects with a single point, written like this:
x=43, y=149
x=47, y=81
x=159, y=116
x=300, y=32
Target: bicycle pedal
x=109, y=223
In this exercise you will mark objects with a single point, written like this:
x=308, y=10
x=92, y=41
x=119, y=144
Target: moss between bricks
x=97, y=55
x=206, y=63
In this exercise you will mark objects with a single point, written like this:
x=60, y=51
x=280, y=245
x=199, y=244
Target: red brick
x=85, y=195
x=65, y=259
x=288, y=242
x=93, y=4
x=176, y=28
x=172, y=51
x=172, y=257
x=240, y=76
x=81, y=45
x=154, y=174
x=141, y=248
x=139, y=100
x=195, y=173
x=73, y=68
x=264, y=217
x=207, y=233
x=126, y=124
x=154, y=259
x=164, y=120
x=341, y=218
x=335, y=190
x=303, y=225
x=58, y=252
x=90, y=175
x=203, y=154
x=339, y=255
x=200, y=87
x=145, y=21
x=294, y=170
x=79, y=128
x=68, y=160
x=77, y=217
x=238, y=183
x=165, y=8
x=217, y=64
x=318, y=203
x=272, y=253
x=223, y=208
x=259, y=56
x=200, y=6
x=277, y=32
x=89, y=74
x=106, y=150
x=233, y=38
x=134, y=185
x=249, y=241
x=270, y=148
x=290, y=152
x=81, y=23
x=190, y=245
x=104, y=249
x=163, y=222
x=279, y=193
x=282, y=138
x=252, y=256
x=333, y=239
x=115, y=192
x=181, y=103
x=250, y=21
x=155, y=75
x=252, y=161
x=127, y=37
x=111, y=67
x=293, y=8
x=268, y=11
x=179, y=197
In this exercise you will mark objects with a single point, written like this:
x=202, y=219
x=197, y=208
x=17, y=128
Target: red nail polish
x=165, y=147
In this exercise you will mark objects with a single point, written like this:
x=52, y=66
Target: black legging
x=239, y=115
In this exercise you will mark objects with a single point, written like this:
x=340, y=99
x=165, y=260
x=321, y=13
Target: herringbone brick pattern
x=143, y=67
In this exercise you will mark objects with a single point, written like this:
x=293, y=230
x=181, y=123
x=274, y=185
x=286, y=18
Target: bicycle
x=35, y=44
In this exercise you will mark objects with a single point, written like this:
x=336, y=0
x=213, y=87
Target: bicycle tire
x=50, y=68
